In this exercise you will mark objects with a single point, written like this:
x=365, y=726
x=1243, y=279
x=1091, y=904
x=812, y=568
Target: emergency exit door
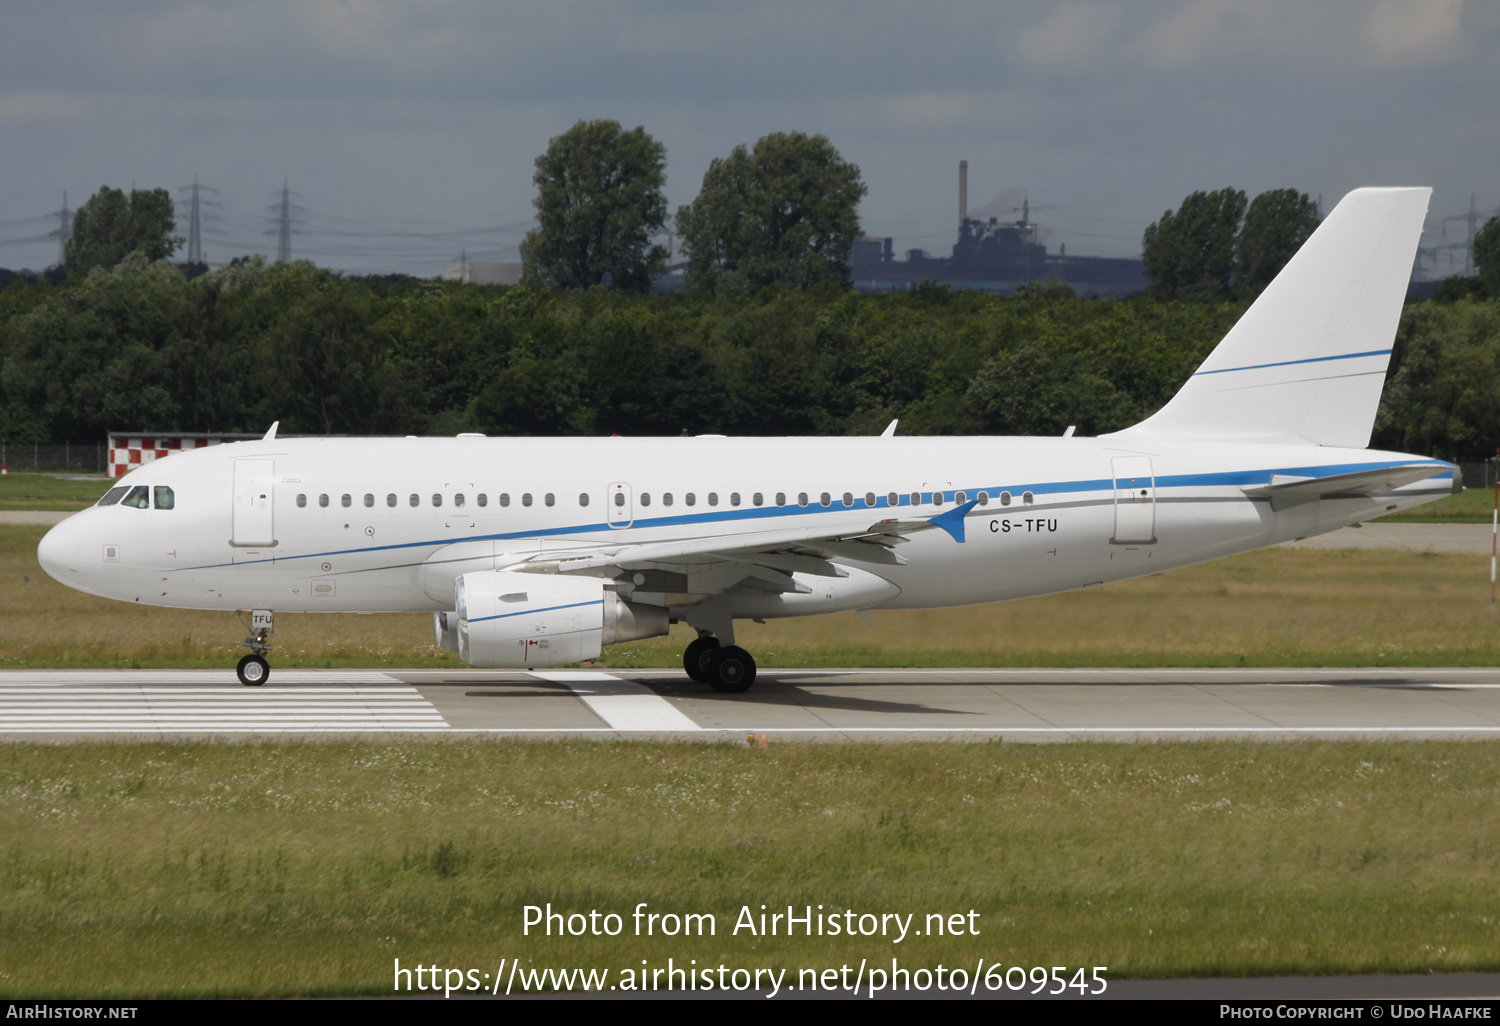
x=1135, y=501
x=254, y=488
x=621, y=505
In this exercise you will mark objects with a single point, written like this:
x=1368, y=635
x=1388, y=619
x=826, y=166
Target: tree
x=1486, y=254
x=784, y=212
x=1191, y=253
x=1276, y=225
x=599, y=200
x=111, y=226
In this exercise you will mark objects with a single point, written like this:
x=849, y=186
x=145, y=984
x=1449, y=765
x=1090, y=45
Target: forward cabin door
x=621, y=505
x=1135, y=501
x=254, y=488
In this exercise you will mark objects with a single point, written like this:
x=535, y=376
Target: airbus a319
x=538, y=552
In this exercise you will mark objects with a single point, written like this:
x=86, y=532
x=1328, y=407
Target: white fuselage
x=394, y=506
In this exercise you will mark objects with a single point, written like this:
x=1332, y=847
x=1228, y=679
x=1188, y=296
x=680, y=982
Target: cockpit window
x=165, y=498
x=113, y=496
x=139, y=497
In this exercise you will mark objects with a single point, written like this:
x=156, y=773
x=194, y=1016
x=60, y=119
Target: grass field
x=1277, y=607
x=165, y=870
x=1472, y=506
x=24, y=490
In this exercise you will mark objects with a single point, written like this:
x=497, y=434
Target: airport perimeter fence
x=55, y=457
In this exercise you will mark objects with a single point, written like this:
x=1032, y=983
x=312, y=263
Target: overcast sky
x=401, y=124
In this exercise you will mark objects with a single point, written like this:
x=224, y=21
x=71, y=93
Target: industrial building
x=991, y=256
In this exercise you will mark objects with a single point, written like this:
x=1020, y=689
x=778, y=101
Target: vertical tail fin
x=1307, y=361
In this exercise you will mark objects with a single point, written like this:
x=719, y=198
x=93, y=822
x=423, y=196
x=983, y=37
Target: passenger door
x=254, y=490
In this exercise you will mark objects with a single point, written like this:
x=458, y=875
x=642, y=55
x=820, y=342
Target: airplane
x=533, y=552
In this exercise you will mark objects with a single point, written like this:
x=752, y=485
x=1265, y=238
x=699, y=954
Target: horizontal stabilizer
x=1307, y=361
x=1287, y=490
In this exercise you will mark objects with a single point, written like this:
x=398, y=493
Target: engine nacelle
x=516, y=620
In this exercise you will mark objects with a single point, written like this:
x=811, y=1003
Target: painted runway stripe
x=623, y=704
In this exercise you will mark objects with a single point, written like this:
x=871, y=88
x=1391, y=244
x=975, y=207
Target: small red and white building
x=130, y=449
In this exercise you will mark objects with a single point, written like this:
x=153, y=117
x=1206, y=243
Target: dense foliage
x=1213, y=246
x=143, y=347
x=112, y=225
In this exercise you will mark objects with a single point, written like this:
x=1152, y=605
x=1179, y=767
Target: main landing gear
x=726, y=668
x=253, y=670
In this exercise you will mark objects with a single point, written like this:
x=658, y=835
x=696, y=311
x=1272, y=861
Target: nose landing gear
x=726, y=668
x=253, y=670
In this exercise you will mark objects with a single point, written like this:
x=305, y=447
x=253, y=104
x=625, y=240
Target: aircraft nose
x=58, y=553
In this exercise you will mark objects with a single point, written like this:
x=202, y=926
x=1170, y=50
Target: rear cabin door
x=254, y=483
x=1135, y=501
x=621, y=505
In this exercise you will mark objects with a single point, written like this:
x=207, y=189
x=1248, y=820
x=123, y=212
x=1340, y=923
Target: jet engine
x=518, y=620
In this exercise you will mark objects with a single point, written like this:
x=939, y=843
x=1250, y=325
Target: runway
x=1025, y=705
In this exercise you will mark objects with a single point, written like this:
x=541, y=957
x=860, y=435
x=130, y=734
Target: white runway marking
x=176, y=702
x=622, y=704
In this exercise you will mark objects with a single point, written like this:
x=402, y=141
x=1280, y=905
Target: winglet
x=890, y=429
x=953, y=520
x=271, y=434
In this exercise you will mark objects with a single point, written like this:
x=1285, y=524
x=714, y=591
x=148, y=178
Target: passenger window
x=961, y=498
x=713, y=498
x=390, y=500
x=645, y=498
x=526, y=499
x=482, y=499
x=437, y=499
x=848, y=499
x=414, y=500
x=984, y=498
x=504, y=499
x=347, y=500
x=1005, y=498
x=323, y=499
x=893, y=500
x=734, y=498
x=619, y=498
x=802, y=498
x=937, y=498
x=666, y=498
x=691, y=500
x=758, y=499
x=165, y=499
x=916, y=498
x=781, y=498
x=139, y=497
x=458, y=498
x=583, y=498
x=825, y=499
x=301, y=501
x=369, y=500
x=869, y=498
x=1027, y=498
x=113, y=496
x=549, y=499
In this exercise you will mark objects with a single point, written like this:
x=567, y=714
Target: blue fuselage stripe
x=1230, y=478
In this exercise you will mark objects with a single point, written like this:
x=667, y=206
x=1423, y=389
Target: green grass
x=303, y=869
x=24, y=490
x=1471, y=506
x=1276, y=607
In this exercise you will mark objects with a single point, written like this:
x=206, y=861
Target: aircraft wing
x=769, y=556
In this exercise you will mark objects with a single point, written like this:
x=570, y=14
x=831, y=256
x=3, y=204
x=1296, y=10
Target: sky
x=407, y=130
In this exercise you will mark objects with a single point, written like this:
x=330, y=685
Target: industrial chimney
x=963, y=193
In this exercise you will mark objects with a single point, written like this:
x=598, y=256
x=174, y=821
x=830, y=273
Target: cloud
x=931, y=107
x=1415, y=31
x=42, y=106
x=1070, y=35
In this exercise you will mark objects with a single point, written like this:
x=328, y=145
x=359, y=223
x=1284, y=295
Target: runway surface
x=868, y=705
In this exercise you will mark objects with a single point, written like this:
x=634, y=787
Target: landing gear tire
x=696, y=659
x=253, y=671
x=732, y=669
